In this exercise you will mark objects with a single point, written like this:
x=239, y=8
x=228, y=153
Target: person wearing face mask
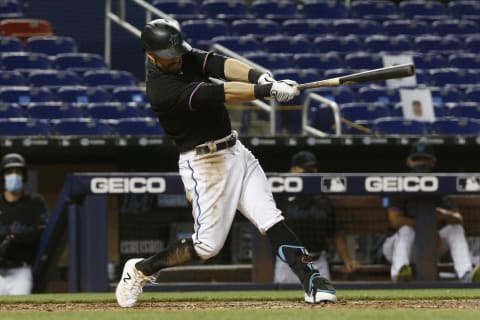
x=312, y=218
x=23, y=217
x=402, y=210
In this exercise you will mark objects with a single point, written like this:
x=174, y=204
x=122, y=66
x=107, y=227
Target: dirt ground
x=216, y=305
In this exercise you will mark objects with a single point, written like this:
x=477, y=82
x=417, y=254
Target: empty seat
x=226, y=9
x=24, y=61
x=270, y=60
x=179, y=9
x=299, y=75
x=331, y=43
x=109, y=79
x=391, y=44
x=363, y=60
x=11, y=110
x=239, y=44
x=321, y=117
x=53, y=110
x=320, y=61
x=10, y=44
x=464, y=9
x=51, y=45
x=339, y=94
x=274, y=9
x=306, y=27
x=397, y=125
x=379, y=9
x=438, y=44
x=464, y=60
x=202, y=31
x=441, y=95
x=53, y=79
x=79, y=62
x=24, y=95
x=138, y=126
x=286, y=44
x=465, y=110
x=420, y=9
x=456, y=126
x=25, y=28
x=445, y=76
x=379, y=94
x=472, y=43
x=406, y=27
x=81, y=127
x=359, y=27
x=113, y=111
x=83, y=94
x=473, y=94
x=257, y=27
x=455, y=27
x=130, y=95
x=363, y=111
x=324, y=9
x=429, y=61
x=24, y=127
x=10, y=9
x=12, y=78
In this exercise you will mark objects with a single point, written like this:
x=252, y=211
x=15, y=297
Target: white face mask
x=13, y=182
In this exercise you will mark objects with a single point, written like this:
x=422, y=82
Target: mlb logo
x=334, y=184
x=468, y=183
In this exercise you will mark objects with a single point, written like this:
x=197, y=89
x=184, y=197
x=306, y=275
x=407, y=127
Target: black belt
x=213, y=147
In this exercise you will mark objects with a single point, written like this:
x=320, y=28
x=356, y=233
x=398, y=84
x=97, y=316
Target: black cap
x=304, y=158
x=421, y=150
x=164, y=39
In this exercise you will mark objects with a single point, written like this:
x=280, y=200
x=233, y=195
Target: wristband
x=253, y=75
x=262, y=90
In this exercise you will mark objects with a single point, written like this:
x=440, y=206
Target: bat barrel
x=393, y=72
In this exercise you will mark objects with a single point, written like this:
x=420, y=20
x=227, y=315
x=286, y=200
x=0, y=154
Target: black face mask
x=422, y=168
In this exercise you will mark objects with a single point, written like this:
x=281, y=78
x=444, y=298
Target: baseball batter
x=219, y=174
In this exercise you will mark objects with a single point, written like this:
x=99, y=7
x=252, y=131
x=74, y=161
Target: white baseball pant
x=15, y=281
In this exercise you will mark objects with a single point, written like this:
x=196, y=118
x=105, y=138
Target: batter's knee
x=205, y=250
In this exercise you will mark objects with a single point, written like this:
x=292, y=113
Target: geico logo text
x=128, y=185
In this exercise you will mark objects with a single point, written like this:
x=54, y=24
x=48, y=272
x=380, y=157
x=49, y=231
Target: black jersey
x=25, y=219
x=188, y=117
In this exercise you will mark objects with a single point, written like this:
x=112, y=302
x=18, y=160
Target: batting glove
x=265, y=78
x=283, y=91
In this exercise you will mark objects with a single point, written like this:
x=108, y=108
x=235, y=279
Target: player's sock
x=177, y=253
x=290, y=250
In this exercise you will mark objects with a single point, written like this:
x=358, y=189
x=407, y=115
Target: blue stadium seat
x=138, y=126
x=239, y=44
x=51, y=45
x=464, y=60
x=421, y=9
x=24, y=95
x=299, y=75
x=464, y=9
x=473, y=93
x=270, y=60
x=320, y=116
x=79, y=62
x=442, y=95
x=453, y=76
x=12, y=78
x=324, y=9
x=309, y=27
x=53, y=79
x=179, y=9
x=113, y=110
x=398, y=125
x=429, y=61
x=83, y=94
x=81, y=127
x=10, y=9
x=11, y=110
x=25, y=61
x=455, y=27
x=379, y=9
x=390, y=44
x=257, y=27
x=226, y=9
x=274, y=9
x=456, y=126
x=406, y=27
x=465, y=110
x=438, y=44
x=423, y=77
x=319, y=61
x=472, y=43
x=53, y=110
x=286, y=44
x=379, y=94
x=130, y=95
x=200, y=32
x=10, y=44
x=109, y=79
x=331, y=43
x=363, y=111
x=24, y=127
x=338, y=94
x=363, y=60
x=358, y=27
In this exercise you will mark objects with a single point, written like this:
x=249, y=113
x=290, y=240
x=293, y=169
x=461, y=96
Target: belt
x=213, y=146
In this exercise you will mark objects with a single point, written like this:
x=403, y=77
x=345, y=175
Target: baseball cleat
x=320, y=290
x=131, y=284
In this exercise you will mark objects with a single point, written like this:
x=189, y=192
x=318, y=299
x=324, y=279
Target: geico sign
x=285, y=184
x=128, y=185
x=397, y=184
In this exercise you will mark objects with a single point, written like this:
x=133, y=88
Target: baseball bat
x=393, y=72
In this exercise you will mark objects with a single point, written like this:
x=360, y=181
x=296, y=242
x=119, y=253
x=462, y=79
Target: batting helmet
x=13, y=160
x=164, y=39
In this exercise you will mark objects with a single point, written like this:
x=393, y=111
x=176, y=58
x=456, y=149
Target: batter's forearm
x=243, y=92
x=236, y=70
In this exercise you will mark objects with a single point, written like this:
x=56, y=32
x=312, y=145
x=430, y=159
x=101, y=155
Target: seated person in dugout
x=312, y=217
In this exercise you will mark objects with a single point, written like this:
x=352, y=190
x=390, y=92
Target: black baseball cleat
x=319, y=290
